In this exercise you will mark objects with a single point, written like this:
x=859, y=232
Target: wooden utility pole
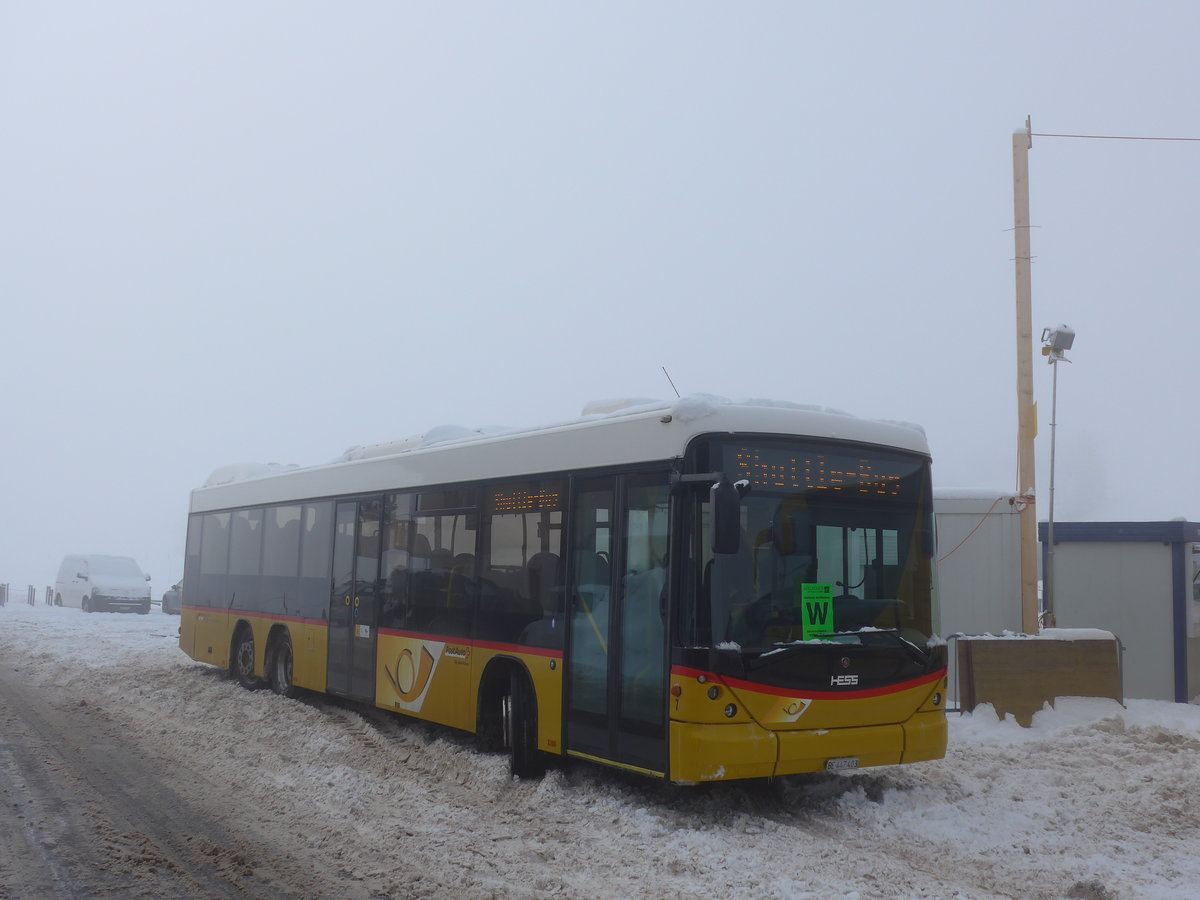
x=1026, y=407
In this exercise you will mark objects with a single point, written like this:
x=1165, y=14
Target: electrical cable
x=1112, y=137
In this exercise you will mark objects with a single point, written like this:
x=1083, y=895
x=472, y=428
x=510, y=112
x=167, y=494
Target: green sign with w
x=816, y=609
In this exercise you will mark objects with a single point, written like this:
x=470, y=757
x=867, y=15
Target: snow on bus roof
x=688, y=409
x=243, y=471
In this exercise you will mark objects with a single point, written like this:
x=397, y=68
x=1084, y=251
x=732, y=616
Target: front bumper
x=747, y=750
x=121, y=604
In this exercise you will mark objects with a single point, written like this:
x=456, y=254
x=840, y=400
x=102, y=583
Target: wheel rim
x=245, y=659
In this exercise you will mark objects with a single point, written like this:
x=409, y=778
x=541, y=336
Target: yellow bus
x=697, y=590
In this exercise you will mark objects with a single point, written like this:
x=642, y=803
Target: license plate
x=844, y=762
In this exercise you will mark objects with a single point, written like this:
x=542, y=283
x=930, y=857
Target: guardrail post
x=3, y=594
x=49, y=595
x=31, y=596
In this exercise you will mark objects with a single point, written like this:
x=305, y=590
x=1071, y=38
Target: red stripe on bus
x=247, y=614
x=739, y=683
x=481, y=645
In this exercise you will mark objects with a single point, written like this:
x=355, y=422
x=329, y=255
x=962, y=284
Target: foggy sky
x=270, y=231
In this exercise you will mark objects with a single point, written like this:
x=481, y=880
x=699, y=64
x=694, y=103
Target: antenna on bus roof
x=668, y=374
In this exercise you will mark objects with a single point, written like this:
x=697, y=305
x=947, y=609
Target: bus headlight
x=731, y=710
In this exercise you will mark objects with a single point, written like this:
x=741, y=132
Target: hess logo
x=843, y=680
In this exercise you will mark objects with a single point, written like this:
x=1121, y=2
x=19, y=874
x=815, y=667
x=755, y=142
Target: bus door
x=616, y=659
x=354, y=602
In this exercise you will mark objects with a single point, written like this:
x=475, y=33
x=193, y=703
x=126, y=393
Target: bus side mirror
x=724, y=501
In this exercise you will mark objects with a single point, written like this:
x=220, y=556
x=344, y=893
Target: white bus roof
x=613, y=433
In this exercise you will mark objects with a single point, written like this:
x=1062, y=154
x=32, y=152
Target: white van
x=98, y=583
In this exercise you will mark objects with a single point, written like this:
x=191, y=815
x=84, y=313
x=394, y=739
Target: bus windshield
x=836, y=544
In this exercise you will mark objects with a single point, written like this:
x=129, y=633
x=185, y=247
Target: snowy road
x=96, y=816
x=127, y=770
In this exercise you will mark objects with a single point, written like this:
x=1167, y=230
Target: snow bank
x=1047, y=634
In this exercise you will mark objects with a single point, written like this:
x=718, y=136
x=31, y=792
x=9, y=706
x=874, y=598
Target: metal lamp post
x=1055, y=342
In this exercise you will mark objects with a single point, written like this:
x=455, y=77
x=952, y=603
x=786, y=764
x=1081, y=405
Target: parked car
x=172, y=599
x=99, y=583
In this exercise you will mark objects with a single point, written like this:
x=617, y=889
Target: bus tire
x=242, y=663
x=520, y=728
x=86, y=604
x=58, y=599
x=279, y=666
x=489, y=715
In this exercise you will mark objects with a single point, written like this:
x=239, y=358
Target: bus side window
x=316, y=559
x=522, y=589
x=546, y=590
x=442, y=599
x=214, y=561
x=281, y=558
x=393, y=571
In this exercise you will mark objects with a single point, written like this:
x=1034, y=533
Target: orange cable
x=973, y=530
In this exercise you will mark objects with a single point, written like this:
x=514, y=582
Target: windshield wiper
x=783, y=651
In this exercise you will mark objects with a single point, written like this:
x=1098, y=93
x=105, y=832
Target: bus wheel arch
x=507, y=716
x=242, y=656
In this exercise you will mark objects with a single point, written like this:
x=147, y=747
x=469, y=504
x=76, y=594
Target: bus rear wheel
x=243, y=659
x=519, y=715
x=279, y=667
x=86, y=604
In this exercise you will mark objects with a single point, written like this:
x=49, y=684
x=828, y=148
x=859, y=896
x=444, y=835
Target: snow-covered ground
x=1095, y=801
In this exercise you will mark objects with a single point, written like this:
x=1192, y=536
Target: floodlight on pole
x=1055, y=342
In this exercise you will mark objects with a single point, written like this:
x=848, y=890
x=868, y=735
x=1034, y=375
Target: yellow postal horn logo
x=410, y=675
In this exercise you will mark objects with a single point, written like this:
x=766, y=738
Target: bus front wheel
x=520, y=728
